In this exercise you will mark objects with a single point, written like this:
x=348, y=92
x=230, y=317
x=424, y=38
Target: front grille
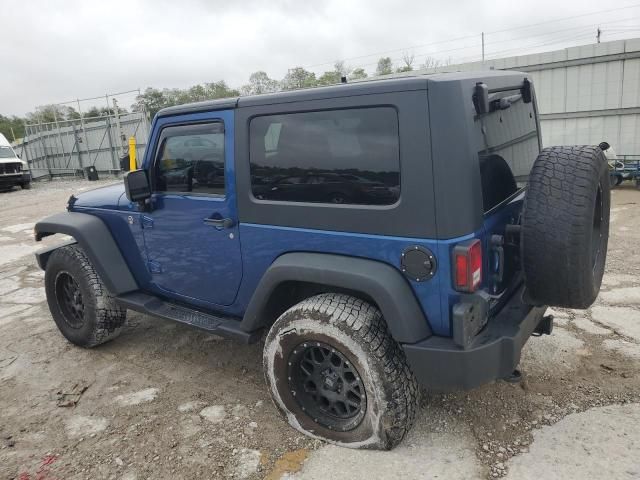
x=10, y=168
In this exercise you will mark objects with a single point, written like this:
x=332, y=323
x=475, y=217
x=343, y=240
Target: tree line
x=154, y=99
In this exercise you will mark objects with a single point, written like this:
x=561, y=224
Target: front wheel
x=84, y=311
x=25, y=186
x=335, y=373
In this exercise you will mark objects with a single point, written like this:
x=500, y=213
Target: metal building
x=586, y=94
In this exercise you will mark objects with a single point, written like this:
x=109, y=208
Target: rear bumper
x=440, y=364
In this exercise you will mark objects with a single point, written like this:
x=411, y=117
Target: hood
x=103, y=197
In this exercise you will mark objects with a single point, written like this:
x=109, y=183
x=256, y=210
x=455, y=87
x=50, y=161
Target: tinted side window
x=340, y=156
x=191, y=159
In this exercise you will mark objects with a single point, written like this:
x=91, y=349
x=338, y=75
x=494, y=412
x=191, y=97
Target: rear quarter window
x=508, y=145
x=348, y=156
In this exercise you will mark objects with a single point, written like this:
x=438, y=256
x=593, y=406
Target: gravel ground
x=166, y=401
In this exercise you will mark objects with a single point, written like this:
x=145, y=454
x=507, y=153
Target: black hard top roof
x=384, y=85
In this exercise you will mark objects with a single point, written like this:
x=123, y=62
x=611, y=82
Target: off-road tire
x=25, y=186
x=102, y=319
x=565, y=226
x=357, y=330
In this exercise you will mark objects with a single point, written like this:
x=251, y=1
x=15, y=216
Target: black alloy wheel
x=327, y=386
x=69, y=299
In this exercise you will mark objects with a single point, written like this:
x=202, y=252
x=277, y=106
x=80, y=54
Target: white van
x=13, y=171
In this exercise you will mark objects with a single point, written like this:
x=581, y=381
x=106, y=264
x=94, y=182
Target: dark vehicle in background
x=384, y=234
x=328, y=187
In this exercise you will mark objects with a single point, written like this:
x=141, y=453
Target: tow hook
x=545, y=327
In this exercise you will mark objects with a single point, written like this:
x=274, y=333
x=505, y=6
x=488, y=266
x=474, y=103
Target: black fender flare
x=95, y=238
x=382, y=283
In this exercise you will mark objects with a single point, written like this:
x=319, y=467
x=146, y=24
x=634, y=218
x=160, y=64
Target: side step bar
x=224, y=326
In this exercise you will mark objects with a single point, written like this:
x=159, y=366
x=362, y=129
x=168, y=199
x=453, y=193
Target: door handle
x=220, y=223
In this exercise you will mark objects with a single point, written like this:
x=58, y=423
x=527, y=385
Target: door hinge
x=154, y=267
x=147, y=222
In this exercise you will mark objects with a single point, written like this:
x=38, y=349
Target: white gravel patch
x=37, y=275
x=622, y=346
x=190, y=406
x=560, y=321
x=247, y=464
x=421, y=455
x=9, y=285
x=29, y=295
x=588, y=326
x=616, y=279
x=600, y=443
x=240, y=410
x=17, y=312
x=625, y=321
x=19, y=227
x=557, y=313
x=136, y=398
x=559, y=351
x=622, y=296
x=14, y=252
x=9, y=310
x=79, y=426
x=214, y=413
x=13, y=272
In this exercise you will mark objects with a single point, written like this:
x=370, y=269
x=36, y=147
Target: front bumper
x=15, y=179
x=440, y=364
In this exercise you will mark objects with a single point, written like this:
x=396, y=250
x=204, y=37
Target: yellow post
x=133, y=164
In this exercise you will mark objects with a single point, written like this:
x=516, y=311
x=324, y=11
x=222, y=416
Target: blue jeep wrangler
x=383, y=234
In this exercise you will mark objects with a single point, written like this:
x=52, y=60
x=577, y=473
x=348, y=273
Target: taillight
x=467, y=266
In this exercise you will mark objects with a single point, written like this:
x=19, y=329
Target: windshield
x=6, y=152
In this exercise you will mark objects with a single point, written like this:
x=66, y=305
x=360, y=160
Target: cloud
x=55, y=51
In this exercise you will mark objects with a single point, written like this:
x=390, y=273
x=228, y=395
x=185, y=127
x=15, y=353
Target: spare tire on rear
x=565, y=226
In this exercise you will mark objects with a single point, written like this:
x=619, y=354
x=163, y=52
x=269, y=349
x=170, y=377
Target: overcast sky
x=54, y=51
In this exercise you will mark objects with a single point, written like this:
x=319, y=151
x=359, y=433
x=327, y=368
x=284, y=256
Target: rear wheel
x=84, y=311
x=565, y=226
x=335, y=373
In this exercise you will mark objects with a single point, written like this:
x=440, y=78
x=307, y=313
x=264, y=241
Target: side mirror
x=136, y=186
